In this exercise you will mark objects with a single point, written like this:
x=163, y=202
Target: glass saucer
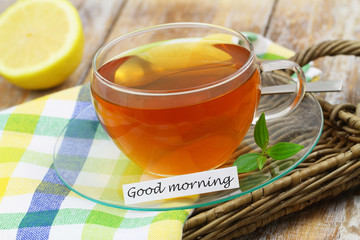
x=90, y=164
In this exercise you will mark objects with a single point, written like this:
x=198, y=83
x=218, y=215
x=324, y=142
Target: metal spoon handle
x=320, y=86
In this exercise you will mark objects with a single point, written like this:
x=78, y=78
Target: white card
x=182, y=185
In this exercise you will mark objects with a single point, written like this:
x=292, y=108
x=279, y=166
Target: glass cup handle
x=267, y=66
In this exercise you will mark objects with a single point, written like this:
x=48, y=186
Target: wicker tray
x=331, y=168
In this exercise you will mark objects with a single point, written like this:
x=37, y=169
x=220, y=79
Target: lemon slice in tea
x=169, y=57
x=41, y=43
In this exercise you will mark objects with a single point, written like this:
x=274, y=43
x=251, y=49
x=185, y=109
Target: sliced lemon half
x=41, y=43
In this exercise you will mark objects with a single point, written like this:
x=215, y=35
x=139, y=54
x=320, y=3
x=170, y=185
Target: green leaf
x=261, y=134
x=247, y=162
x=283, y=150
x=261, y=161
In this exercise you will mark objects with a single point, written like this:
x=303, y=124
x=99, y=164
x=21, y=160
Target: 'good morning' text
x=179, y=186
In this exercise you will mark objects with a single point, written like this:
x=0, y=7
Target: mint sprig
x=280, y=151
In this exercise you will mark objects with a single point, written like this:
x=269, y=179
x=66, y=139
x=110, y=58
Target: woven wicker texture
x=330, y=169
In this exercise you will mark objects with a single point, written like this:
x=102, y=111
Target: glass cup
x=179, y=98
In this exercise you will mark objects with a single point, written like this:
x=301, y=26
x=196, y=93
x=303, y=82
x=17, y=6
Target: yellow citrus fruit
x=167, y=57
x=41, y=43
x=180, y=54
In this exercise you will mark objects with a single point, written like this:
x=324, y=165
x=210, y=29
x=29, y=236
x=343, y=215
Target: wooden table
x=294, y=24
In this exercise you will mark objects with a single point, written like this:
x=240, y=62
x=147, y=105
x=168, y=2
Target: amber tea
x=178, y=133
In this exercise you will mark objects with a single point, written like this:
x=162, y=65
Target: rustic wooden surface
x=295, y=24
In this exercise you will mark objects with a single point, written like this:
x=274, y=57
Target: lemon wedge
x=41, y=43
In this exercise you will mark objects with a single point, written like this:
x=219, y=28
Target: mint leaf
x=280, y=151
x=283, y=150
x=247, y=162
x=261, y=134
x=261, y=161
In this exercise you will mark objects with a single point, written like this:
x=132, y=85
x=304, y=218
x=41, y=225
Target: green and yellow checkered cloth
x=35, y=204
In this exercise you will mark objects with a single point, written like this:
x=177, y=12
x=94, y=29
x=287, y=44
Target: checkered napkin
x=35, y=204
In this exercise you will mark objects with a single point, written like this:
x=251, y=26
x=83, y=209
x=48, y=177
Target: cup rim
x=144, y=92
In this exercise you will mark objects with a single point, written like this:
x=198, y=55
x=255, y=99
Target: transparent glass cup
x=178, y=131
